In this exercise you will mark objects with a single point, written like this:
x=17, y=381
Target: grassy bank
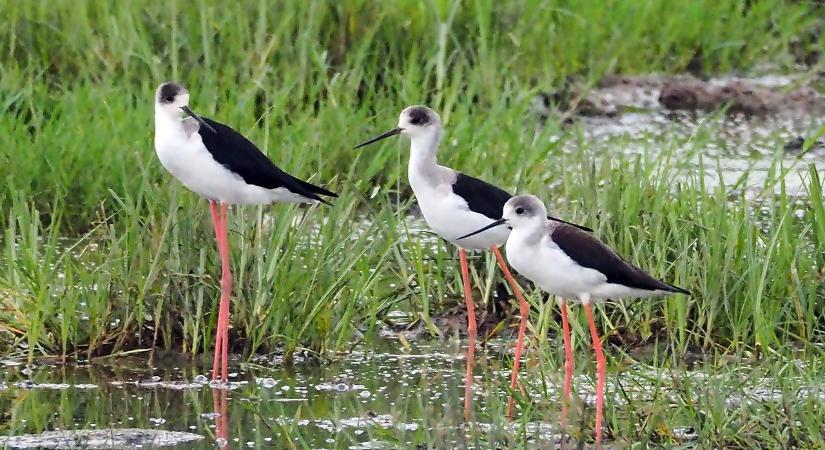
x=104, y=252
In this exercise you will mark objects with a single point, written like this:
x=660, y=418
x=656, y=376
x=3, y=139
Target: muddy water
x=746, y=147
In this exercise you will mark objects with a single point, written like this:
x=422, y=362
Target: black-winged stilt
x=571, y=264
x=454, y=204
x=221, y=165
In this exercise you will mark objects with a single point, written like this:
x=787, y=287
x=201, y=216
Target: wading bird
x=221, y=165
x=454, y=204
x=570, y=264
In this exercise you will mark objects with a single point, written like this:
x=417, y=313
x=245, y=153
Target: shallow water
x=384, y=398
x=381, y=399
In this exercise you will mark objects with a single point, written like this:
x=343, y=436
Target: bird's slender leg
x=600, y=372
x=216, y=220
x=568, y=362
x=223, y=426
x=524, y=310
x=219, y=404
x=468, y=293
x=468, y=393
x=471, y=332
x=226, y=292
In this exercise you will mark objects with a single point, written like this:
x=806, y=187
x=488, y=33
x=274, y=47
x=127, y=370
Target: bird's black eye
x=415, y=120
x=519, y=211
x=170, y=99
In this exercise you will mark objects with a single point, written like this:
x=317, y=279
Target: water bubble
x=202, y=379
x=365, y=394
x=221, y=442
x=157, y=420
x=267, y=382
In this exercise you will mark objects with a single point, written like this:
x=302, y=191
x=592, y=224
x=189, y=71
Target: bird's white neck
x=423, y=150
x=529, y=232
x=167, y=121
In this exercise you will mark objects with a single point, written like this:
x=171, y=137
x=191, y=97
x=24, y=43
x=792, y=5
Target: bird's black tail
x=677, y=289
x=317, y=189
x=312, y=191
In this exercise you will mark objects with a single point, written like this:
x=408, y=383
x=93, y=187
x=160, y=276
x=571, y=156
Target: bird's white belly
x=189, y=161
x=448, y=215
x=552, y=270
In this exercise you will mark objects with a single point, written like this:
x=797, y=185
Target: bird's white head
x=524, y=211
x=420, y=123
x=171, y=98
x=171, y=101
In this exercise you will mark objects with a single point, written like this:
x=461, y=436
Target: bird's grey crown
x=419, y=115
x=524, y=205
x=168, y=91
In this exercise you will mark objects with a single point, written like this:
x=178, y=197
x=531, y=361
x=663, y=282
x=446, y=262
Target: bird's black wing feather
x=481, y=197
x=589, y=252
x=489, y=200
x=241, y=156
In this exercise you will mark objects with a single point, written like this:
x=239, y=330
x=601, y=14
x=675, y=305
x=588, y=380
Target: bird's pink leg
x=216, y=220
x=468, y=392
x=600, y=372
x=471, y=332
x=226, y=292
x=568, y=363
x=219, y=404
x=223, y=424
x=468, y=293
x=524, y=310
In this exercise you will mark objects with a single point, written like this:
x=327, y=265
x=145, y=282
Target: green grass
x=104, y=252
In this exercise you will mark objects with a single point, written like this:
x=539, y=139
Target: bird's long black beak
x=198, y=118
x=581, y=227
x=492, y=225
x=393, y=132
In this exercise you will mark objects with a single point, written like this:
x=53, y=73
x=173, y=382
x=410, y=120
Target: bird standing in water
x=454, y=204
x=222, y=166
x=572, y=265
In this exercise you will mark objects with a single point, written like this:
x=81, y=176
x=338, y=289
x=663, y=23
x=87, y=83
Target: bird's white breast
x=449, y=216
x=544, y=263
